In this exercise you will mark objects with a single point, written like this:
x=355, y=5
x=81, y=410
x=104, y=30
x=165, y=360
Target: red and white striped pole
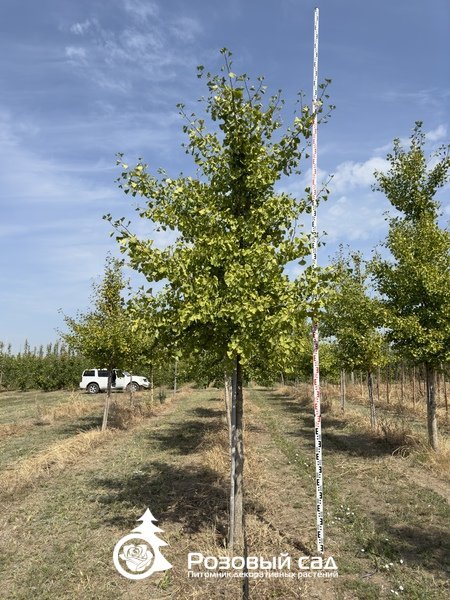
x=315, y=328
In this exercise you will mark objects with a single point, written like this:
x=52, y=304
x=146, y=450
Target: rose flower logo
x=137, y=558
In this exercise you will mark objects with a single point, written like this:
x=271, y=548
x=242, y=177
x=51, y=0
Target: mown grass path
x=385, y=531
x=57, y=537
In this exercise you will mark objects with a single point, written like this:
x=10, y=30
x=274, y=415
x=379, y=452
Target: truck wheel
x=133, y=386
x=93, y=388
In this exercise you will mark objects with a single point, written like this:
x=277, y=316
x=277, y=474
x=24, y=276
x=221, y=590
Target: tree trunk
x=387, y=385
x=373, y=419
x=152, y=386
x=107, y=402
x=131, y=388
x=444, y=384
x=378, y=384
x=361, y=384
x=343, y=390
x=175, y=373
x=430, y=374
x=402, y=383
x=232, y=439
x=414, y=386
x=238, y=495
x=227, y=386
x=422, y=393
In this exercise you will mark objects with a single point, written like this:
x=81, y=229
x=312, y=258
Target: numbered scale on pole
x=315, y=328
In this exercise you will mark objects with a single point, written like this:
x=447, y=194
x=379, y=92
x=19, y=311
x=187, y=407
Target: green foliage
x=414, y=285
x=104, y=335
x=57, y=368
x=152, y=351
x=353, y=317
x=411, y=184
x=227, y=290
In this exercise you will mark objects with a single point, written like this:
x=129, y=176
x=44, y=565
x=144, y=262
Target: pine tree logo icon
x=137, y=555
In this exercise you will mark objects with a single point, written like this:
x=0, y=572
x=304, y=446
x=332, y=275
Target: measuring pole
x=315, y=328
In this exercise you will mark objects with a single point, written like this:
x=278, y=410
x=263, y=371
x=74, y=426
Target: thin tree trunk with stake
x=402, y=383
x=444, y=385
x=175, y=374
x=152, y=386
x=430, y=373
x=373, y=420
x=107, y=402
x=378, y=384
x=343, y=390
x=387, y=385
x=233, y=458
x=226, y=379
x=238, y=535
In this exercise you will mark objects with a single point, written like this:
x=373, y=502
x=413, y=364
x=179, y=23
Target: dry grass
x=438, y=462
x=406, y=438
x=127, y=412
x=29, y=471
x=263, y=538
x=181, y=468
x=396, y=404
x=76, y=406
x=399, y=435
x=7, y=429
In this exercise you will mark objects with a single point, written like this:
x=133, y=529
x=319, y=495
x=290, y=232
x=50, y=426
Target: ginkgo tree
x=414, y=283
x=352, y=318
x=227, y=290
x=103, y=335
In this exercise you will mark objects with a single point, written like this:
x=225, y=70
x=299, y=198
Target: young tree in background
x=414, y=285
x=227, y=291
x=104, y=334
x=151, y=343
x=352, y=317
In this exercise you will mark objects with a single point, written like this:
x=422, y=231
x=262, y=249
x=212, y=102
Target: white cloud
x=427, y=97
x=186, y=29
x=437, y=134
x=31, y=178
x=350, y=219
x=149, y=47
x=434, y=135
x=141, y=42
x=350, y=175
x=75, y=53
x=141, y=9
x=81, y=28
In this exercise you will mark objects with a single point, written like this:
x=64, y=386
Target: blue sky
x=83, y=79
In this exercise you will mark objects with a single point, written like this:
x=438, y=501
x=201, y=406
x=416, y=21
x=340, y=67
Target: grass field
x=69, y=492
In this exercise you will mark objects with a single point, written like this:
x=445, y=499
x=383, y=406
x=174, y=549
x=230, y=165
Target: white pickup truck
x=96, y=380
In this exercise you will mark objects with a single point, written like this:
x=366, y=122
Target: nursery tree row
x=227, y=307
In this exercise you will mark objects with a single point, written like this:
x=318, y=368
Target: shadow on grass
x=183, y=491
x=185, y=437
x=428, y=548
x=335, y=434
x=82, y=424
x=194, y=496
